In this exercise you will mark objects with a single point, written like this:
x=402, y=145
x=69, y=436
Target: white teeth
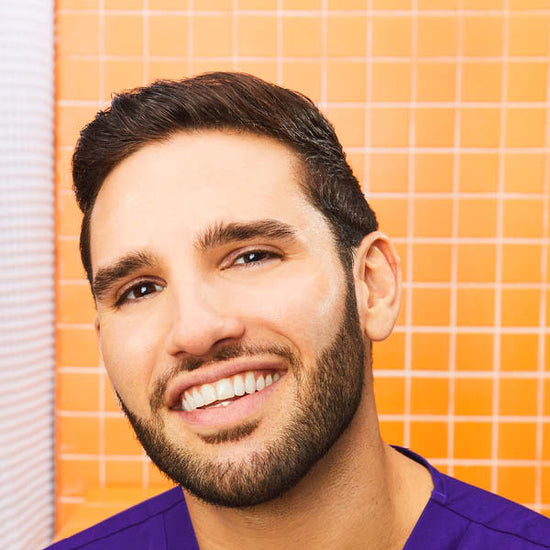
x=224, y=389
x=238, y=385
x=197, y=398
x=189, y=400
x=185, y=405
x=208, y=394
x=249, y=383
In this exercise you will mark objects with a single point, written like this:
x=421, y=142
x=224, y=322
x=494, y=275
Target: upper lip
x=217, y=371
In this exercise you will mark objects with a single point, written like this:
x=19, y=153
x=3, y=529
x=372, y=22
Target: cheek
x=129, y=352
x=304, y=306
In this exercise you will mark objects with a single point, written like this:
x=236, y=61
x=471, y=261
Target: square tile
x=256, y=35
x=432, y=262
x=524, y=172
x=479, y=127
x=519, y=352
x=391, y=36
x=481, y=81
x=520, y=307
x=475, y=307
x=168, y=35
x=432, y=217
x=347, y=81
x=477, y=217
x=525, y=127
x=474, y=352
x=435, y=81
x=527, y=81
x=389, y=127
x=529, y=35
x=346, y=36
x=434, y=127
x=472, y=440
x=437, y=36
x=433, y=172
x=431, y=306
x=213, y=36
x=391, y=81
x=123, y=35
x=302, y=37
x=482, y=36
x=473, y=396
x=479, y=172
x=521, y=263
x=430, y=351
x=389, y=172
x=476, y=263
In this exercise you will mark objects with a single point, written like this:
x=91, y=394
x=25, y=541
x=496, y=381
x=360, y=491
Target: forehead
x=176, y=188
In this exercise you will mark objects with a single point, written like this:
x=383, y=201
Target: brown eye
x=254, y=257
x=140, y=290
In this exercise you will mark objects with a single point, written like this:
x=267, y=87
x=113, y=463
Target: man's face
x=227, y=323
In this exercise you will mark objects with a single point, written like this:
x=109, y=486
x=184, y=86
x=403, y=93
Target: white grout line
x=389, y=373
x=475, y=418
x=324, y=53
x=101, y=385
x=454, y=256
x=499, y=257
x=344, y=58
x=410, y=232
x=544, y=275
x=146, y=60
x=234, y=38
x=369, y=12
x=279, y=57
x=191, y=38
x=367, y=105
x=464, y=374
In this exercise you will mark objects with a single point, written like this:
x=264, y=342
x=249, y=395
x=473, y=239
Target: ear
x=377, y=275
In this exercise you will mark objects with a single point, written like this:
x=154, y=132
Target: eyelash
x=265, y=255
x=124, y=296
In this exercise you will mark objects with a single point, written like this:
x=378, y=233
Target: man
x=240, y=279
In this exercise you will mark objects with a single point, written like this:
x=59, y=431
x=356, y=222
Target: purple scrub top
x=457, y=516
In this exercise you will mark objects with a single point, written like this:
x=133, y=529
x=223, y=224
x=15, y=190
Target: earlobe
x=378, y=285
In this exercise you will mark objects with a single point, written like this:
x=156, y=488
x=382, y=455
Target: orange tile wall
x=443, y=107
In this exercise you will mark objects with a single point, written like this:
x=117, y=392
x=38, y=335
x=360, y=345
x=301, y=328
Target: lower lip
x=236, y=411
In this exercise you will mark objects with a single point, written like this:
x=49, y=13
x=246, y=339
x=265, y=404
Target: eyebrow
x=107, y=276
x=218, y=234
x=222, y=233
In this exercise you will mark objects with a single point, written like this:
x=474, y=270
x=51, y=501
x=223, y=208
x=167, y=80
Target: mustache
x=219, y=355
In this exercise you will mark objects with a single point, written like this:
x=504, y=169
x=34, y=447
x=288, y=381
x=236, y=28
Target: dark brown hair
x=234, y=101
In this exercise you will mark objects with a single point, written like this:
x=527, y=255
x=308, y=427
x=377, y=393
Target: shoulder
x=145, y=525
x=492, y=518
x=461, y=516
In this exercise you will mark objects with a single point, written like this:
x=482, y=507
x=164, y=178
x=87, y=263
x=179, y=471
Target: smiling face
x=227, y=323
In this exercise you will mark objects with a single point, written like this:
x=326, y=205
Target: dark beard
x=325, y=406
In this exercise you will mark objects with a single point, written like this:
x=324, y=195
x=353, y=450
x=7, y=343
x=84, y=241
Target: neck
x=362, y=494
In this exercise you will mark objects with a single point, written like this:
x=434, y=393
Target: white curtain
x=26, y=273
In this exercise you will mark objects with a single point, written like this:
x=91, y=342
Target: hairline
x=300, y=169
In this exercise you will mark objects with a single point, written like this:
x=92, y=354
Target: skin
x=201, y=298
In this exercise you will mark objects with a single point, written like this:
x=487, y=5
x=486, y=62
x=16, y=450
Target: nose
x=199, y=322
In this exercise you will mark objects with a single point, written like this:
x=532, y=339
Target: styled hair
x=224, y=101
